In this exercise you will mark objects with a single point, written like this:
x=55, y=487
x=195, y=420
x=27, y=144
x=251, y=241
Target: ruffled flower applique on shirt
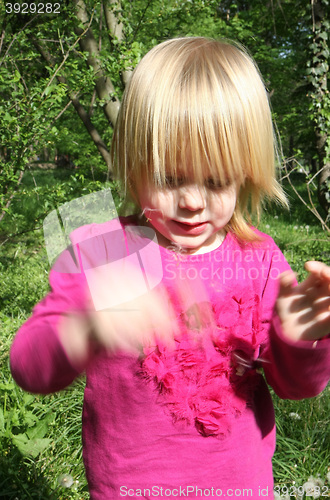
x=209, y=378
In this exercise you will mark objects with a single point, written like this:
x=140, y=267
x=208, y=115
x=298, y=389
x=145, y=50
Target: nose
x=192, y=197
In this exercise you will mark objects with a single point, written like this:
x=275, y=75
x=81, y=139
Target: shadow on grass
x=20, y=480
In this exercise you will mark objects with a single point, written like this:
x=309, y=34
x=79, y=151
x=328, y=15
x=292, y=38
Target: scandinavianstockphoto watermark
x=225, y=265
x=160, y=491
x=224, y=274
x=225, y=255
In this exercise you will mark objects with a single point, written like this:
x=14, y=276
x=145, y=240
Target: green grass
x=303, y=439
x=40, y=436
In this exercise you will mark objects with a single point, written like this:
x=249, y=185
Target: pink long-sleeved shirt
x=196, y=421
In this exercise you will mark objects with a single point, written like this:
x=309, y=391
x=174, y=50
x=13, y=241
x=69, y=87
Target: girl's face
x=189, y=215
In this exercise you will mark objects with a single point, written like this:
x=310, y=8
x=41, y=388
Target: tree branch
x=66, y=56
x=104, y=86
x=310, y=207
x=14, y=38
x=116, y=30
x=82, y=113
x=3, y=213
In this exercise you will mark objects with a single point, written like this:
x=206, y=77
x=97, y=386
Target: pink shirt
x=197, y=421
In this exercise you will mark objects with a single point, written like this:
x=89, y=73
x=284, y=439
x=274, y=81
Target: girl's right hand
x=145, y=320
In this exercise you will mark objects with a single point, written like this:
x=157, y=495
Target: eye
x=216, y=184
x=213, y=183
x=173, y=182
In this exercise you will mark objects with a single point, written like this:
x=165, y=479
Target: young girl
x=176, y=403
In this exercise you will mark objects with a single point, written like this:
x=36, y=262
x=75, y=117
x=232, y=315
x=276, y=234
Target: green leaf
x=29, y=418
x=2, y=420
x=50, y=89
x=8, y=386
x=30, y=447
x=41, y=428
x=7, y=117
x=17, y=76
x=28, y=398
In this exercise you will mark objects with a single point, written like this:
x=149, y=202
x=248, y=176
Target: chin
x=188, y=243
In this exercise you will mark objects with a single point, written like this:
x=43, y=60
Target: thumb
x=286, y=282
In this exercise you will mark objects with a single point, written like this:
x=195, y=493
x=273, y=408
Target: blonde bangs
x=198, y=108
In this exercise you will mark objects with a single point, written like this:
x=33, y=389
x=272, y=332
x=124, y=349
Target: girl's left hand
x=304, y=310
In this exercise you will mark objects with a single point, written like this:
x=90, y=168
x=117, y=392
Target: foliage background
x=62, y=75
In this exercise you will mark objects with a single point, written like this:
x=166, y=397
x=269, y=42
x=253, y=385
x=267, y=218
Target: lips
x=189, y=228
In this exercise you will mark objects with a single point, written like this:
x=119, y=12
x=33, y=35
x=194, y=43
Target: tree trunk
x=116, y=30
x=323, y=191
x=318, y=77
x=104, y=87
x=82, y=113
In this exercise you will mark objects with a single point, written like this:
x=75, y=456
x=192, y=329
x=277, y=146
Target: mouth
x=189, y=228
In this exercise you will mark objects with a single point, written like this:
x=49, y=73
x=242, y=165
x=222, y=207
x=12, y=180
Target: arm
x=39, y=362
x=296, y=369
x=65, y=333
x=295, y=365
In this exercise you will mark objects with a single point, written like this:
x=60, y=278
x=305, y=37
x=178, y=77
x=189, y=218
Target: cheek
x=156, y=199
x=231, y=206
x=224, y=206
x=232, y=202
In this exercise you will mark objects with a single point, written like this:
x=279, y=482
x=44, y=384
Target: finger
x=315, y=309
x=154, y=319
x=318, y=281
x=318, y=269
x=121, y=328
x=287, y=281
x=164, y=322
x=318, y=326
x=313, y=282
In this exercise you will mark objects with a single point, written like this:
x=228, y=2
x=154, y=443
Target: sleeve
x=295, y=370
x=38, y=361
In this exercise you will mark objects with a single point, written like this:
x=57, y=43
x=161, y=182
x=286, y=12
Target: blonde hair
x=199, y=107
